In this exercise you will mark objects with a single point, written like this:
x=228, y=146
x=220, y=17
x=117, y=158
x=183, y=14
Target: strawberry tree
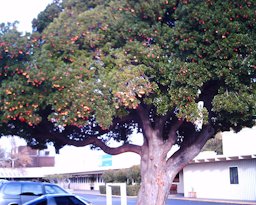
x=176, y=71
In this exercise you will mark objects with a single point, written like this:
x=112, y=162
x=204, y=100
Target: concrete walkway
x=224, y=201
x=177, y=197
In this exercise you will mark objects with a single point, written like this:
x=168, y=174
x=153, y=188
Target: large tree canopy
x=176, y=71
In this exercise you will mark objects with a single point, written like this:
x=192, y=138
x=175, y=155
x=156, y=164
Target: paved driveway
x=98, y=199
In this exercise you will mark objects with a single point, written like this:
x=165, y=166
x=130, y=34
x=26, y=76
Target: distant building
x=16, y=154
x=40, y=158
x=41, y=163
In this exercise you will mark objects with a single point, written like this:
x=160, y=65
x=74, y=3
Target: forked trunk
x=157, y=169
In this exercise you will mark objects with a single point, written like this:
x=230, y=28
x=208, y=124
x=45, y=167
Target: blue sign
x=106, y=160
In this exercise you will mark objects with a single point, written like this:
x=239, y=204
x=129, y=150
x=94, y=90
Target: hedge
x=132, y=190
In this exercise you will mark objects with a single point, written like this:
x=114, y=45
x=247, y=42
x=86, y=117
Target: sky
x=23, y=11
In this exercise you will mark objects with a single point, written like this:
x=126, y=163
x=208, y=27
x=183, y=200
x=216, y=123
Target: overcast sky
x=21, y=10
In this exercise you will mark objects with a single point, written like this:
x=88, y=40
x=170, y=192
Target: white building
x=221, y=178
x=89, y=176
x=228, y=176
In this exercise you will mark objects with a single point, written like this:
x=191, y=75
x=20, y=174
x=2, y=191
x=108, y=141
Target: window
x=12, y=189
x=35, y=189
x=51, y=189
x=39, y=202
x=233, y=171
x=67, y=200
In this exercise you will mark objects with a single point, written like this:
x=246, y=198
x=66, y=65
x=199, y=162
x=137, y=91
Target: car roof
x=26, y=182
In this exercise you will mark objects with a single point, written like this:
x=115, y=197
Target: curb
x=214, y=200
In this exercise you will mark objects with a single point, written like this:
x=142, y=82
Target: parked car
x=58, y=199
x=19, y=192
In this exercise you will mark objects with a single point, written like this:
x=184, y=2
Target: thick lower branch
x=186, y=153
x=99, y=143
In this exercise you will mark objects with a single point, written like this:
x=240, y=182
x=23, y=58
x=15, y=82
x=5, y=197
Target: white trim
x=219, y=158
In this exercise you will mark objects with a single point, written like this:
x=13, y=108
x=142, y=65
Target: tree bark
x=155, y=181
x=158, y=170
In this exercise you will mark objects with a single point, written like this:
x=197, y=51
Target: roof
x=40, y=172
x=218, y=158
x=37, y=172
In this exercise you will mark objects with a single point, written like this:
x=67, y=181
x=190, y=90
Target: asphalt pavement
x=179, y=197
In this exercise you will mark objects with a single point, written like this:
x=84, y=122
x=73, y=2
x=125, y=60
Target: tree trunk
x=155, y=180
x=152, y=193
x=158, y=170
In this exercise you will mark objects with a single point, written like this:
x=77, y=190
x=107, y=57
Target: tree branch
x=144, y=121
x=187, y=152
x=172, y=135
x=99, y=143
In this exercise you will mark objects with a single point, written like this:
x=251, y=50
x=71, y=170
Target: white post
x=109, y=194
x=122, y=192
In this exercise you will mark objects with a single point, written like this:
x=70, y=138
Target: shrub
x=132, y=190
x=102, y=189
x=130, y=175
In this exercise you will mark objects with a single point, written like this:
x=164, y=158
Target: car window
x=35, y=189
x=12, y=189
x=52, y=189
x=61, y=200
x=39, y=202
x=76, y=201
x=67, y=200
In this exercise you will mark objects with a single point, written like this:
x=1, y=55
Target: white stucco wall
x=212, y=180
